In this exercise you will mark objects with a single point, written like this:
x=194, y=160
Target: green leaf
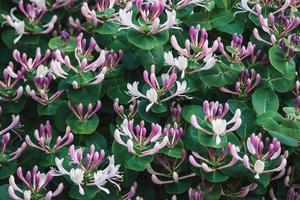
x=4, y=192
x=221, y=74
x=48, y=110
x=217, y=18
x=178, y=188
x=147, y=42
x=85, y=95
x=188, y=111
x=284, y=139
x=96, y=139
x=8, y=169
x=264, y=100
x=278, y=61
x=233, y=27
x=57, y=43
x=138, y=163
x=83, y=127
x=248, y=126
x=109, y=28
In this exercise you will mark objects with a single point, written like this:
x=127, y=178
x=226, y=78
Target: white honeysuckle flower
x=259, y=167
x=15, y=23
x=180, y=63
x=219, y=128
x=152, y=96
x=133, y=90
x=42, y=71
x=56, y=69
x=27, y=195
x=59, y=165
x=210, y=62
x=100, y=180
x=39, y=3
x=181, y=88
x=76, y=175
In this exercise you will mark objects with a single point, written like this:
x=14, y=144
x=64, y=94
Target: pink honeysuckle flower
x=215, y=113
x=35, y=182
x=43, y=136
x=135, y=138
x=91, y=109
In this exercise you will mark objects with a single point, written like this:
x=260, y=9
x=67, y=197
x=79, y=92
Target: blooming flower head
x=237, y=52
x=215, y=113
x=10, y=89
x=150, y=21
x=157, y=92
x=84, y=169
x=6, y=155
x=196, y=48
x=42, y=87
x=256, y=147
x=216, y=159
x=91, y=109
x=246, y=83
x=33, y=15
x=169, y=169
x=119, y=109
x=137, y=140
x=35, y=185
x=43, y=137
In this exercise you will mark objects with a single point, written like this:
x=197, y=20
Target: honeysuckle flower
x=39, y=3
x=293, y=194
x=255, y=147
x=91, y=109
x=184, y=3
x=215, y=113
x=137, y=141
x=112, y=58
x=174, y=134
x=196, y=194
x=17, y=24
x=43, y=136
x=277, y=5
x=276, y=27
x=33, y=12
x=288, y=47
x=157, y=94
x=216, y=159
x=119, y=109
x=150, y=13
x=259, y=56
x=42, y=86
x=170, y=169
x=10, y=91
x=31, y=64
x=98, y=16
x=131, y=193
x=76, y=24
x=180, y=63
x=176, y=113
x=35, y=185
x=15, y=122
x=245, y=85
x=6, y=155
x=195, y=48
x=237, y=51
x=84, y=169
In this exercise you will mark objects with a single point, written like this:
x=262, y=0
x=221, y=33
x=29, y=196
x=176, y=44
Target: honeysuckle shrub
x=149, y=99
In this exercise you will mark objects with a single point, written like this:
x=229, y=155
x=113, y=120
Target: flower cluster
x=84, y=169
x=150, y=17
x=138, y=141
x=214, y=114
x=43, y=137
x=35, y=185
x=31, y=23
x=157, y=92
